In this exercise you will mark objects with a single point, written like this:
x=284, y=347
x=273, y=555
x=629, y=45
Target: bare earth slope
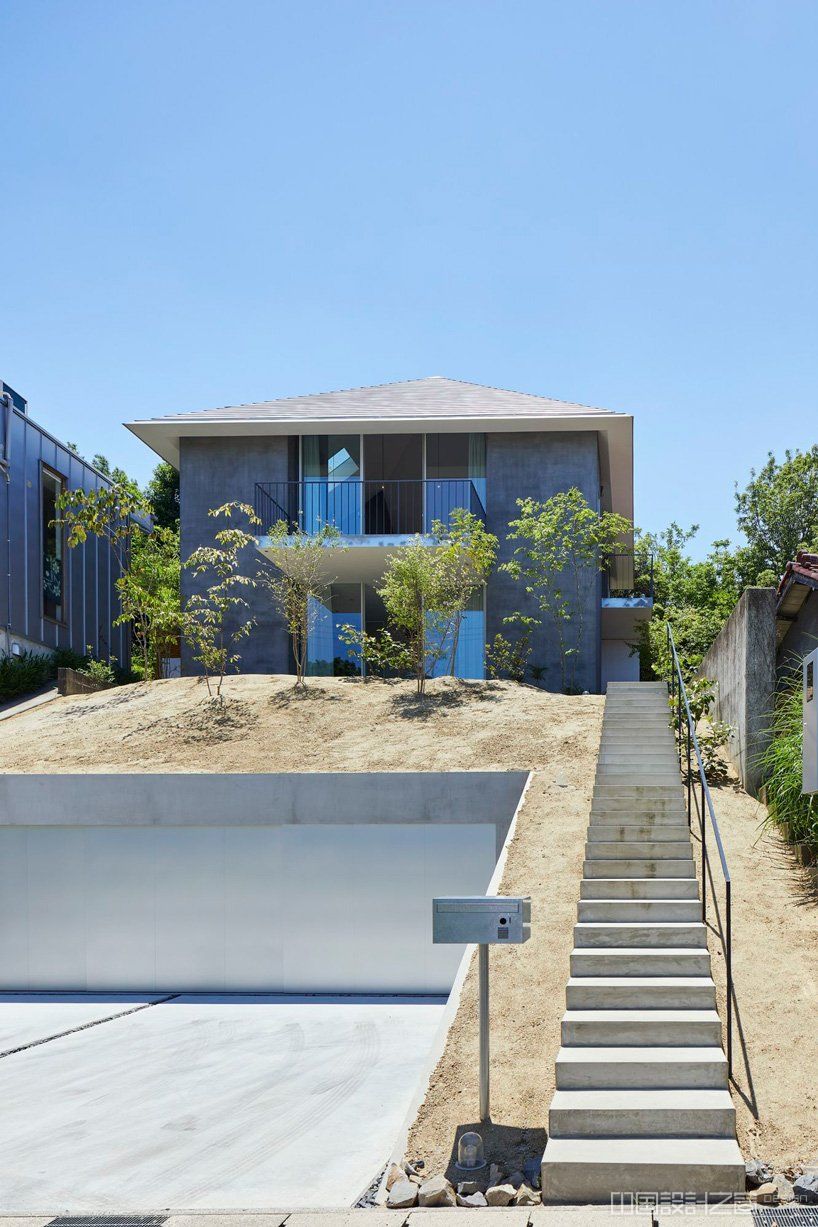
x=775, y=970
x=338, y=725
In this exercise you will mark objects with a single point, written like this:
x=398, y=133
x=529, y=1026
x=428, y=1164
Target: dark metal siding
x=90, y=599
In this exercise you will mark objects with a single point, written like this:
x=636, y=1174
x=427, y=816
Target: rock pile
x=769, y=1188
x=406, y=1186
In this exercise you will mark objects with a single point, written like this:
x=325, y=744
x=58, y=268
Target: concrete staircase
x=641, y=1103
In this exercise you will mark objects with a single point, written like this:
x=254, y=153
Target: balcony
x=627, y=595
x=365, y=509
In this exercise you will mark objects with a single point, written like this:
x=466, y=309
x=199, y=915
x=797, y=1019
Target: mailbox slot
x=482, y=919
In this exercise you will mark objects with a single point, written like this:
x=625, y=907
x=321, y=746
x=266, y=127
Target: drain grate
x=785, y=1216
x=108, y=1220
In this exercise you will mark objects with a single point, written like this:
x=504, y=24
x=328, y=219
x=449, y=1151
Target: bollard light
x=470, y=1154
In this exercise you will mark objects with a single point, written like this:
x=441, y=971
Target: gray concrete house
x=50, y=596
x=381, y=463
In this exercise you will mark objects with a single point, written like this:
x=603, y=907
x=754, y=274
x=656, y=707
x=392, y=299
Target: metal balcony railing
x=365, y=508
x=626, y=577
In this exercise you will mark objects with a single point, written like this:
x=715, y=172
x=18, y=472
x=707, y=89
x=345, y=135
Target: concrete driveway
x=141, y=1104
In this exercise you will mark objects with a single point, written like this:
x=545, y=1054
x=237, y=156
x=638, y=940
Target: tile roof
x=433, y=397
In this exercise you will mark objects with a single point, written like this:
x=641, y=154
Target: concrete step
x=618, y=818
x=640, y=933
x=659, y=794
x=612, y=804
x=601, y=832
x=646, y=911
x=589, y=1170
x=640, y=849
x=640, y=993
x=665, y=1113
x=639, y=888
x=633, y=868
x=616, y=961
x=644, y=777
x=651, y=1028
x=635, y=1068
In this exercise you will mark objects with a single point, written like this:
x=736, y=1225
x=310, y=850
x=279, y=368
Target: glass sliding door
x=469, y=652
x=455, y=475
x=393, y=484
x=327, y=654
x=331, y=471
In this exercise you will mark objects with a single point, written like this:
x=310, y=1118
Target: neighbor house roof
x=451, y=404
x=799, y=579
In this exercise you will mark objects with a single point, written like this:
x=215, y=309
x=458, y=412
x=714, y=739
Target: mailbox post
x=487, y=920
x=810, y=746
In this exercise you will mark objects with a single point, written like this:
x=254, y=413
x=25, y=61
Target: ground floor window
x=52, y=546
x=327, y=654
x=360, y=606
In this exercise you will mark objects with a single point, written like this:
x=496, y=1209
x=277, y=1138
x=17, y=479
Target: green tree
x=117, y=514
x=465, y=556
x=213, y=619
x=778, y=513
x=559, y=541
x=418, y=606
x=150, y=599
x=162, y=492
x=299, y=582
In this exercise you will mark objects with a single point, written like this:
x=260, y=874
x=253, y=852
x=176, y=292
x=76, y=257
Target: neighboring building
x=53, y=596
x=382, y=463
x=796, y=612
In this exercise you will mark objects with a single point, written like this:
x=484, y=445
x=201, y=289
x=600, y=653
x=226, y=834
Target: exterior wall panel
x=539, y=465
x=216, y=471
x=89, y=600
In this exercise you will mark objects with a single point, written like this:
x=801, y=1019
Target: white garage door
x=291, y=908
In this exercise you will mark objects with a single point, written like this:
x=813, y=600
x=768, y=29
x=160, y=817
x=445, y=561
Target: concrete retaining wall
x=267, y=883
x=742, y=662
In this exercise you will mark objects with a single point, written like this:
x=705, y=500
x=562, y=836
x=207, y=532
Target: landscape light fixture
x=470, y=1154
x=487, y=920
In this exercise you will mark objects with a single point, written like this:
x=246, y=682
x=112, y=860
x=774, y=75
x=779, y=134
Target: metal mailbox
x=484, y=919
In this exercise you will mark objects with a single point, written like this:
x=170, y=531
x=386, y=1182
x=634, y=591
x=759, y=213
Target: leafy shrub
x=781, y=767
x=103, y=671
x=24, y=673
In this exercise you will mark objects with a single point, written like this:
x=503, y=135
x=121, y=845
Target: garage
x=318, y=883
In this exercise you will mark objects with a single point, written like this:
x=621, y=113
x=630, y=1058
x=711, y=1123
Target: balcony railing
x=365, y=508
x=626, y=577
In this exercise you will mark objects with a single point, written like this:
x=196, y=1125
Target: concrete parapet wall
x=741, y=661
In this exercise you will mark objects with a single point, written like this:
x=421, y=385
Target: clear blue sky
x=613, y=202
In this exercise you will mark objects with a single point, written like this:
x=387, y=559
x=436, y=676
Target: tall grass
x=781, y=766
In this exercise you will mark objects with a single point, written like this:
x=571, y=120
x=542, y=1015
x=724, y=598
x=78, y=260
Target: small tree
x=149, y=598
x=119, y=515
x=778, y=514
x=464, y=558
x=210, y=617
x=299, y=582
x=418, y=604
x=560, y=540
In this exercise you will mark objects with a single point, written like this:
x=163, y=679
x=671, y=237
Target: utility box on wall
x=810, y=748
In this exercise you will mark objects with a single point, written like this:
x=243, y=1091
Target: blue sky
x=612, y=202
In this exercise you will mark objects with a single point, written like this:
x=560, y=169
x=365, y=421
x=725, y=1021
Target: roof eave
x=615, y=432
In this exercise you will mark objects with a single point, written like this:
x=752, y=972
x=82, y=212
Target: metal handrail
x=368, y=506
x=678, y=693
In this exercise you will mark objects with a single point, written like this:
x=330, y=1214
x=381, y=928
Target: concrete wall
x=539, y=464
x=801, y=638
x=214, y=471
x=742, y=662
x=274, y=883
x=89, y=571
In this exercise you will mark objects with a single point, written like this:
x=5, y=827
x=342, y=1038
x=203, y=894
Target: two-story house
x=50, y=596
x=381, y=464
